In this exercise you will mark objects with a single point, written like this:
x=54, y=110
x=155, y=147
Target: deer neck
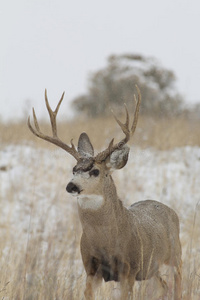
x=100, y=209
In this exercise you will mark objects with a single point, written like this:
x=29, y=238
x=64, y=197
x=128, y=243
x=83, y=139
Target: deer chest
x=109, y=268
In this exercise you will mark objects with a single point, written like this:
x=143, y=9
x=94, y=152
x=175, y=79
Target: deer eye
x=94, y=172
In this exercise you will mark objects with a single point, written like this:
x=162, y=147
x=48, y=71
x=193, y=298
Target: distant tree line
x=115, y=84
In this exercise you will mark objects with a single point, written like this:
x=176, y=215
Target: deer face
x=87, y=173
x=86, y=179
x=90, y=176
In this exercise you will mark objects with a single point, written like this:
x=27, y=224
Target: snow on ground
x=171, y=177
x=33, y=181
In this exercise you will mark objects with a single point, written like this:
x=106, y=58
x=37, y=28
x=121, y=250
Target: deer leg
x=92, y=283
x=89, y=293
x=163, y=284
x=127, y=288
x=177, y=281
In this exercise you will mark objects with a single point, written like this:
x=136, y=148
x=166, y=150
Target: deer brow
x=83, y=168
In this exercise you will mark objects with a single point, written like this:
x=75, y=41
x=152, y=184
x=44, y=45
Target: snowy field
x=40, y=226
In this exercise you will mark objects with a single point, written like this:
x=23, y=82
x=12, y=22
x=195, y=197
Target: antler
x=125, y=128
x=54, y=139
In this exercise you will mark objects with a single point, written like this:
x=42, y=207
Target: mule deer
x=118, y=243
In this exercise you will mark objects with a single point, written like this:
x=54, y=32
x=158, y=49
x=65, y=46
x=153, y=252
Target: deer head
x=90, y=168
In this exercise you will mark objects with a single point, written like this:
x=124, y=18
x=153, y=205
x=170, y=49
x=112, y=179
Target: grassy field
x=39, y=224
x=153, y=132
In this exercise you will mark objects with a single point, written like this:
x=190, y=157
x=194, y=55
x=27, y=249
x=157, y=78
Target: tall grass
x=160, y=133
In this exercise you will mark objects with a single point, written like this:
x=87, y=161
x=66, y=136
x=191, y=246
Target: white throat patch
x=93, y=201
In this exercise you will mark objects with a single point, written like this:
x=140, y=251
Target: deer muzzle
x=72, y=188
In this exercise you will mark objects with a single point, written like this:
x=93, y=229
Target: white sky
x=55, y=44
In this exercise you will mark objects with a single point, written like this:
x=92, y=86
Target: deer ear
x=85, y=147
x=118, y=159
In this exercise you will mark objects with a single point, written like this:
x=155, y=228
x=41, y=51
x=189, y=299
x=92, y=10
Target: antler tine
x=36, y=132
x=55, y=139
x=137, y=109
x=125, y=128
x=53, y=114
x=36, y=121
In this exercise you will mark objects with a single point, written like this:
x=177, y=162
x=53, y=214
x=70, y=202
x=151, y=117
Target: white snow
x=33, y=181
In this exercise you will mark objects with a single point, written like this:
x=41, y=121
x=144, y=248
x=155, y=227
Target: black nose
x=72, y=188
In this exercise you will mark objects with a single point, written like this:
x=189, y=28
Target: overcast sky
x=56, y=44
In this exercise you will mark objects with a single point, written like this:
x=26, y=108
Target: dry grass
x=158, y=133
x=47, y=264
x=50, y=267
